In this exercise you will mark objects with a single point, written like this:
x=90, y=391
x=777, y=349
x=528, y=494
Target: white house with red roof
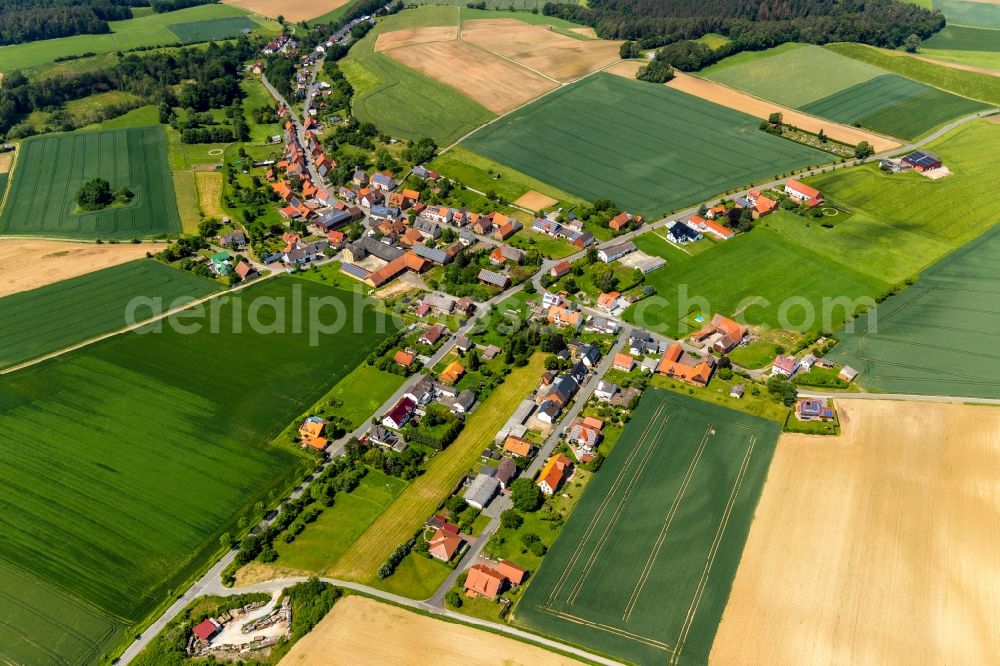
x=802, y=193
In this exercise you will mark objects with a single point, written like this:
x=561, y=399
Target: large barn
x=923, y=161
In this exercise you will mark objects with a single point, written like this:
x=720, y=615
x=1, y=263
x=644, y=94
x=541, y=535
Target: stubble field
x=387, y=634
x=876, y=546
x=29, y=264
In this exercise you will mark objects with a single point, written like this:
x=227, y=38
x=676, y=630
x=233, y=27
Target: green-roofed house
x=220, y=263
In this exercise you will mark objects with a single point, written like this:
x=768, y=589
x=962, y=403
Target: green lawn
x=974, y=85
x=713, y=40
x=150, y=30
x=751, y=277
x=757, y=354
x=156, y=443
x=787, y=74
x=475, y=171
x=217, y=28
x=987, y=59
x=87, y=306
x=363, y=392
x=401, y=101
x=643, y=568
x=416, y=577
x=323, y=541
x=648, y=148
x=50, y=169
x=904, y=222
x=938, y=337
x=894, y=105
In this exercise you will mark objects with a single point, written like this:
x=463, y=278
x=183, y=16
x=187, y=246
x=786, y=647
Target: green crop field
x=895, y=95
x=904, y=222
x=893, y=105
x=962, y=38
x=648, y=148
x=149, y=30
x=401, y=101
x=760, y=271
x=218, y=28
x=787, y=74
x=968, y=84
x=51, y=168
x=644, y=566
x=966, y=12
x=126, y=460
x=84, y=307
x=940, y=336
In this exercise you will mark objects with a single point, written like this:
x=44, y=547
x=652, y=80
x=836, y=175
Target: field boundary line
x=613, y=522
x=661, y=538
x=604, y=627
x=710, y=560
x=132, y=327
x=607, y=498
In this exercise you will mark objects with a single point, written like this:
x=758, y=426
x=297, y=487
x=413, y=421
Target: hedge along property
x=137, y=496
x=41, y=199
x=648, y=148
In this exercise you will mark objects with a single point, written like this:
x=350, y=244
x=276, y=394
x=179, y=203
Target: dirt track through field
x=28, y=264
x=497, y=84
x=734, y=99
x=360, y=630
x=875, y=547
x=540, y=48
x=293, y=10
x=398, y=38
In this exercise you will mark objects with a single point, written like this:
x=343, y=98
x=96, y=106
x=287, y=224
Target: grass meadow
x=51, y=168
x=149, y=30
x=648, y=148
x=84, y=307
x=671, y=508
x=323, y=541
x=216, y=28
x=749, y=276
x=974, y=85
x=969, y=13
x=363, y=391
x=154, y=445
x=939, y=336
x=363, y=558
x=961, y=38
x=401, y=101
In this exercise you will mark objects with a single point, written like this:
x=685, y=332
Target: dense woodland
x=31, y=20
x=752, y=26
x=208, y=76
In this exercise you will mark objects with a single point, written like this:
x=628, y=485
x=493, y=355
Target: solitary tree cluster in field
x=97, y=194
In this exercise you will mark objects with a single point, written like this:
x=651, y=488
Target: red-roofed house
x=622, y=220
x=514, y=573
x=205, y=630
x=560, y=269
x=711, y=227
x=400, y=413
x=728, y=333
x=404, y=358
x=803, y=193
x=556, y=470
x=483, y=581
x=675, y=363
x=444, y=544
x=624, y=362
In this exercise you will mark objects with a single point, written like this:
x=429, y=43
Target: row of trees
x=751, y=26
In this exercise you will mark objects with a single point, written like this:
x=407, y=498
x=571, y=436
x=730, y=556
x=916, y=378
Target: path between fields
x=899, y=396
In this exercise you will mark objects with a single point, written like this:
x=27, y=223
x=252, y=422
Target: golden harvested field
x=210, y=193
x=497, y=84
x=293, y=10
x=875, y=547
x=586, y=32
x=754, y=106
x=535, y=201
x=28, y=264
x=540, y=48
x=420, y=499
x=387, y=634
x=397, y=38
x=6, y=159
